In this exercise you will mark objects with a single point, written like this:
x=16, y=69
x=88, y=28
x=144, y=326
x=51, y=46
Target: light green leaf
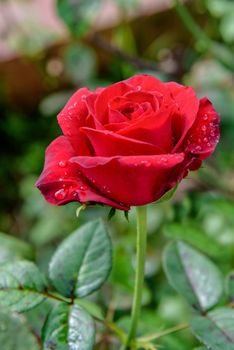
x=68, y=327
x=15, y=334
x=193, y=275
x=21, y=286
x=92, y=308
x=83, y=261
x=216, y=330
x=13, y=249
x=168, y=195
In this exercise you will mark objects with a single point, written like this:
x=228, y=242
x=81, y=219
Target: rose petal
x=136, y=180
x=72, y=117
x=147, y=83
x=108, y=144
x=204, y=134
x=187, y=105
x=101, y=105
x=62, y=182
x=154, y=128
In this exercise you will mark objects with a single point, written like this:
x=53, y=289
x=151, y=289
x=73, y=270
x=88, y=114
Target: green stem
x=139, y=279
x=162, y=333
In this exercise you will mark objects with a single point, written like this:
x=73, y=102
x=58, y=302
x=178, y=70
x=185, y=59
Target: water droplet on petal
x=198, y=148
x=83, y=97
x=139, y=87
x=60, y=194
x=205, y=117
x=62, y=163
x=163, y=159
x=74, y=194
x=203, y=128
x=83, y=187
x=205, y=139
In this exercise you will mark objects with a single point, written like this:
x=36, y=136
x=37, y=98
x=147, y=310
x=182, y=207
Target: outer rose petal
x=62, y=182
x=132, y=180
x=108, y=144
x=187, y=104
x=204, y=134
x=72, y=117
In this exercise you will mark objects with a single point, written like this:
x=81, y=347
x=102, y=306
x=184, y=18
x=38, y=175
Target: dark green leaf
x=216, y=330
x=68, y=327
x=193, y=275
x=21, y=286
x=111, y=213
x=83, y=261
x=13, y=249
x=15, y=334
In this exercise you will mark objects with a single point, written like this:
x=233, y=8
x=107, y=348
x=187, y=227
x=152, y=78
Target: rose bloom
x=128, y=144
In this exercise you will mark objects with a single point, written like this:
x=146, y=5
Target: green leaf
x=92, y=308
x=68, y=327
x=21, y=286
x=216, y=329
x=168, y=195
x=15, y=334
x=112, y=213
x=78, y=14
x=230, y=286
x=83, y=261
x=13, y=249
x=193, y=275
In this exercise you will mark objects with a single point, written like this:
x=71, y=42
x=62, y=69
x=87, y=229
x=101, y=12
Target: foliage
x=58, y=298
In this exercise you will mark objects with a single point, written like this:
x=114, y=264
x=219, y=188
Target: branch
x=97, y=41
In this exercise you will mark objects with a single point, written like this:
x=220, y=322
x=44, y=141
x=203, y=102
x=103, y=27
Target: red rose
x=128, y=144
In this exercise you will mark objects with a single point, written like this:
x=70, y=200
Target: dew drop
x=205, y=139
x=163, y=159
x=208, y=144
x=74, y=194
x=83, y=97
x=61, y=179
x=198, y=148
x=205, y=117
x=60, y=194
x=138, y=87
x=62, y=163
x=83, y=188
x=203, y=128
x=212, y=133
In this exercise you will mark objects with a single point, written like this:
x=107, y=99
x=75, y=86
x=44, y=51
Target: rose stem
x=139, y=277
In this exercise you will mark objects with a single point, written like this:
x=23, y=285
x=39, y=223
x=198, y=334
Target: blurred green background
x=49, y=49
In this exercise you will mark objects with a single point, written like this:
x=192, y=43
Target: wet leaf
x=216, y=329
x=193, y=275
x=21, y=286
x=83, y=261
x=68, y=327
